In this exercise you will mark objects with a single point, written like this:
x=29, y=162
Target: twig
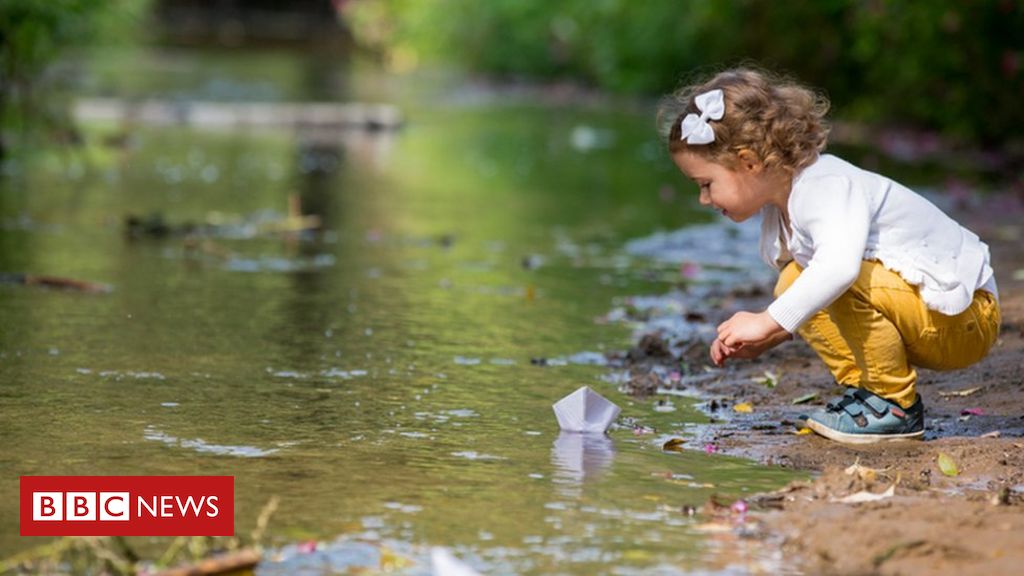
x=242, y=560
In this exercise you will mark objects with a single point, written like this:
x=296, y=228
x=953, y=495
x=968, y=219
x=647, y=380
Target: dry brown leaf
x=964, y=392
x=866, y=496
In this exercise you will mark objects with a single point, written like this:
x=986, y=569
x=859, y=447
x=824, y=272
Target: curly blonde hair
x=779, y=120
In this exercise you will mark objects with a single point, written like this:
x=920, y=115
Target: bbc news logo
x=127, y=505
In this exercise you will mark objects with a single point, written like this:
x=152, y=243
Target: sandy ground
x=934, y=523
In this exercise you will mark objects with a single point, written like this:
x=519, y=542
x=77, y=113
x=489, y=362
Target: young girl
x=873, y=276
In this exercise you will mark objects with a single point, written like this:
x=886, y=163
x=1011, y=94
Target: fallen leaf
x=770, y=379
x=947, y=465
x=673, y=444
x=866, y=496
x=803, y=431
x=964, y=392
x=972, y=412
x=863, y=472
x=806, y=398
x=745, y=407
x=635, y=555
x=992, y=434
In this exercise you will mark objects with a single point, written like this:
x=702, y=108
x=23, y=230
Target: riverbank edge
x=913, y=517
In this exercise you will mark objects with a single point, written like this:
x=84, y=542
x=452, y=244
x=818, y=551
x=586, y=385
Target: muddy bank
x=917, y=519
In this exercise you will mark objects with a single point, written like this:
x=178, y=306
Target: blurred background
x=351, y=251
x=953, y=68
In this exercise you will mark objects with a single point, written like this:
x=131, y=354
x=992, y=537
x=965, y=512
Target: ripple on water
x=344, y=374
x=116, y=375
x=200, y=445
x=474, y=455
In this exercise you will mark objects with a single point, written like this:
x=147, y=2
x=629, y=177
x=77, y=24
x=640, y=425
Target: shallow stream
x=381, y=377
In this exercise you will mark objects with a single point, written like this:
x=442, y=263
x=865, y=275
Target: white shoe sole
x=846, y=438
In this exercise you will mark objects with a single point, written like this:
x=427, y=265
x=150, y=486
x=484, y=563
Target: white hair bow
x=696, y=129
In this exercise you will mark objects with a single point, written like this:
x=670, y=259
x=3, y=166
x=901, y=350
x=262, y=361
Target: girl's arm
x=834, y=217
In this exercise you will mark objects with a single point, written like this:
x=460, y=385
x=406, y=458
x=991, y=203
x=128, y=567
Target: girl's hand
x=719, y=352
x=748, y=328
x=757, y=332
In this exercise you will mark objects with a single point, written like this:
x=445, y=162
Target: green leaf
x=770, y=379
x=805, y=398
x=947, y=465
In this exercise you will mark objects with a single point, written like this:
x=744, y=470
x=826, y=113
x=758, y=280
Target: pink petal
x=307, y=547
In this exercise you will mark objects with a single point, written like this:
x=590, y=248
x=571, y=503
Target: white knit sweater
x=840, y=215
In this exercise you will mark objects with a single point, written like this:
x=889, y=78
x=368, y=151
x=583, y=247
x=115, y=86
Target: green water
x=377, y=377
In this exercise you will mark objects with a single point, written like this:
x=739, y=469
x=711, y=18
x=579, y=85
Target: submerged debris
x=641, y=384
x=54, y=282
x=651, y=347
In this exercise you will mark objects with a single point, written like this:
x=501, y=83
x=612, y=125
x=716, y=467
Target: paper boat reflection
x=581, y=455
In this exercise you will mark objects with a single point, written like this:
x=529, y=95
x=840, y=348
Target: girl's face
x=738, y=193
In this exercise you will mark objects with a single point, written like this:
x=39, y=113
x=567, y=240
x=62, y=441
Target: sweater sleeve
x=834, y=217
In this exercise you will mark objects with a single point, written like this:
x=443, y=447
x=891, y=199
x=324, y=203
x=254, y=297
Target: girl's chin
x=735, y=217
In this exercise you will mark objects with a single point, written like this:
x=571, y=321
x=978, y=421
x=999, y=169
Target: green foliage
x=950, y=65
x=954, y=66
x=33, y=34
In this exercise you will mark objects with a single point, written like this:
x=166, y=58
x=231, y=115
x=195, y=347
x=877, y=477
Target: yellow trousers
x=876, y=332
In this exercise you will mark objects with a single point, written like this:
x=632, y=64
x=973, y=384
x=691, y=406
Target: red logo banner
x=127, y=505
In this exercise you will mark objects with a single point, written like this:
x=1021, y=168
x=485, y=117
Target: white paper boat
x=585, y=411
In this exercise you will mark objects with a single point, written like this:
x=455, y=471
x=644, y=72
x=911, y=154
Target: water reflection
x=377, y=376
x=579, y=456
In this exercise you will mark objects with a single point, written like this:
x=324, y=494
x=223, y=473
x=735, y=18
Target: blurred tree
x=951, y=65
x=306, y=23
x=32, y=34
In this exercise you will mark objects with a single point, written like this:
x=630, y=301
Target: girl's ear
x=749, y=161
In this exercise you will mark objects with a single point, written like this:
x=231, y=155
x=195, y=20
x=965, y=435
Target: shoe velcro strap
x=853, y=409
x=877, y=404
x=841, y=403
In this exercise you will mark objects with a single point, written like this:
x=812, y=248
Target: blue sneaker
x=860, y=417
